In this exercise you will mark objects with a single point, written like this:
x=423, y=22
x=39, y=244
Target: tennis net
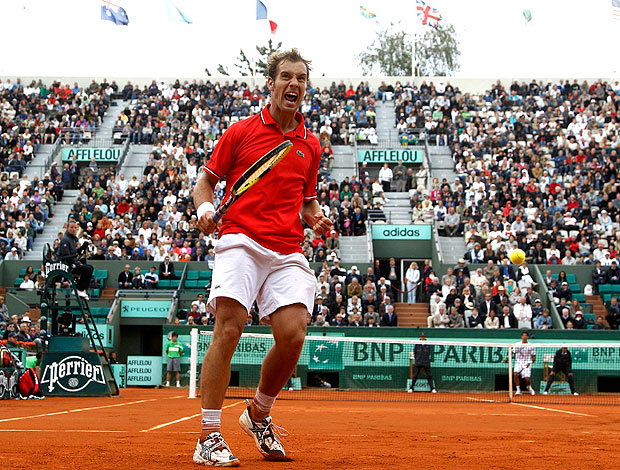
x=386, y=369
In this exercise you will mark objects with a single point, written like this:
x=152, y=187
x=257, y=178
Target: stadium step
x=412, y=315
x=107, y=293
x=38, y=165
x=345, y=162
x=354, y=250
x=452, y=248
x=397, y=208
x=386, y=130
x=598, y=306
x=54, y=225
x=441, y=164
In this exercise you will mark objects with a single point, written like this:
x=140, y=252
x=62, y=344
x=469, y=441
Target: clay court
x=153, y=429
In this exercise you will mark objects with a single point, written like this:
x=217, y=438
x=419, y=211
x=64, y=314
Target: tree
x=437, y=52
x=389, y=53
x=247, y=66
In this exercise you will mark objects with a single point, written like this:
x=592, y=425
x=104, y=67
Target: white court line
x=76, y=410
x=159, y=426
x=553, y=409
x=481, y=399
x=59, y=430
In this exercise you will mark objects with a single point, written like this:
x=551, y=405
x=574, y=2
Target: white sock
x=167, y=383
x=263, y=403
x=211, y=419
x=518, y=388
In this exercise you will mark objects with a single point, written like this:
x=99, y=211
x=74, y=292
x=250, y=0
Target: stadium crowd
x=535, y=165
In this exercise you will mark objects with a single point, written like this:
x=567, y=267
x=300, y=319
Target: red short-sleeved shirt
x=269, y=212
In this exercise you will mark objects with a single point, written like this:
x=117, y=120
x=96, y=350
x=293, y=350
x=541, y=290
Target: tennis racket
x=252, y=175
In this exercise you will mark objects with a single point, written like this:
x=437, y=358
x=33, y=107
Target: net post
x=510, y=373
x=193, y=361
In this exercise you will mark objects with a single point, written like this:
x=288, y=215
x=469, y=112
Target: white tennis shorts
x=246, y=271
x=523, y=369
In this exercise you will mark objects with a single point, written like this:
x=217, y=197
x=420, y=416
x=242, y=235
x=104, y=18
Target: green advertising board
x=401, y=232
x=407, y=156
x=145, y=308
x=120, y=374
x=144, y=370
x=386, y=365
x=73, y=374
x=85, y=154
x=402, y=241
x=105, y=333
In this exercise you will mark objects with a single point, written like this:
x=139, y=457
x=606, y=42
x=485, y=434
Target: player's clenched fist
x=206, y=223
x=320, y=224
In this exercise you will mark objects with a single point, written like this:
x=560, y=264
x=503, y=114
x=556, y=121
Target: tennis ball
x=517, y=256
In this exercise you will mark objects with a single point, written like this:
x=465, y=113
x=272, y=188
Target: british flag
x=428, y=15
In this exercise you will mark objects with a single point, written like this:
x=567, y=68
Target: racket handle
x=217, y=216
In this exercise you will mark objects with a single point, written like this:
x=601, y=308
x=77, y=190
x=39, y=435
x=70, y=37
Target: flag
x=428, y=15
x=261, y=14
x=175, y=13
x=261, y=10
x=527, y=14
x=114, y=13
x=615, y=6
x=367, y=14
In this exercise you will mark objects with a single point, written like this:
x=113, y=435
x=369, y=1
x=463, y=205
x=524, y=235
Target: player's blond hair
x=276, y=58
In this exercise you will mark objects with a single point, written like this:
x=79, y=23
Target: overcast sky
x=567, y=38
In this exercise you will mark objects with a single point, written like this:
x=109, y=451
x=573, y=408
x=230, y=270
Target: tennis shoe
x=434, y=390
x=545, y=393
x=214, y=452
x=518, y=392
x=266, y=435
x=576, y=394
x=532, y=392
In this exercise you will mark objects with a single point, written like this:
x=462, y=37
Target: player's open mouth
x=291, y=97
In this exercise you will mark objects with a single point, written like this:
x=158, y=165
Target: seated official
x=69, y=252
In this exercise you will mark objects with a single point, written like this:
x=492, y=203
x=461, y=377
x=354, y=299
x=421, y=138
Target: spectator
x=598, y=276
x=491, y=321
x=523, y=313
x=453, y=223
x=125, y=278
x=27, y=283
x=400, y=176
x=411, y=282
x=137, y=281
x=600, y=323
x=565, y=317
x=507, y=319
x=475, y=320
x=455, y=318
x=438, y=319
x=613, y=314
x=389, y=318
x=385, y=178
x=151, y=279
x=166, y=269
x=543, y=322
x=578, y=322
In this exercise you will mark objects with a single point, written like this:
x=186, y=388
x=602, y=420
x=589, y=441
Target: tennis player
x=525, y=355
x=562, y=362
x=258, y=256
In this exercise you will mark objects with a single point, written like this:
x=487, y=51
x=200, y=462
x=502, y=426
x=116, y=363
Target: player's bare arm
x=312, y=214
x=203, y=192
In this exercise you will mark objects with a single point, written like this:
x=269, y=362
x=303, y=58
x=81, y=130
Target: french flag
x=261, y=14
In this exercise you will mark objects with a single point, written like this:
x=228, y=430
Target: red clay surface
x=116, y=433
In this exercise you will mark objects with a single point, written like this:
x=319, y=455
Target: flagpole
x=413, y=46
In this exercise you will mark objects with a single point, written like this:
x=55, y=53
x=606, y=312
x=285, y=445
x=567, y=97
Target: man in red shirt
x=258, y=256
